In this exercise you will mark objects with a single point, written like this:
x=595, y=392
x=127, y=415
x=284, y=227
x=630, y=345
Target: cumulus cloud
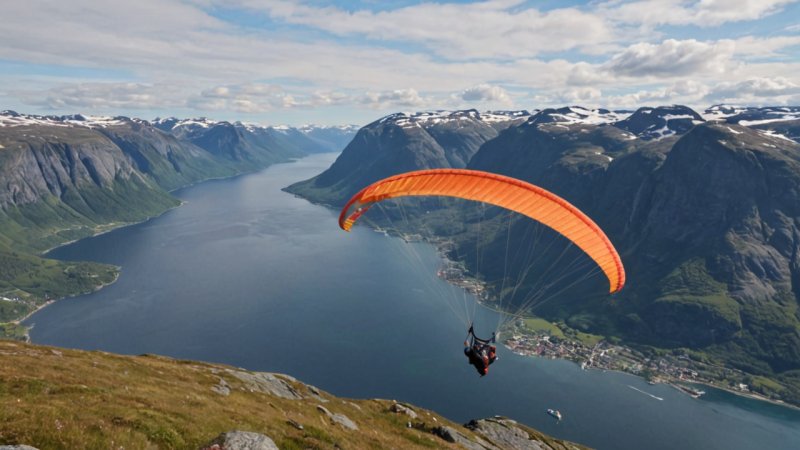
x=583, y=74
x=486, y=93
x=103, y=96
x=395, y=98
x=755, y=88
x=246, y=98
x=672, y=58
x=583, y=96
x=329, y=98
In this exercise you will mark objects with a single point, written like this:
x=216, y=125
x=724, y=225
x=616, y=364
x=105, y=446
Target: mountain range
x=68, y=177
x=703, y=208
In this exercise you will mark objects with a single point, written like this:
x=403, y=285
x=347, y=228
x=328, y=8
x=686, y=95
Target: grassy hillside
x=59, y=398
x=26, y=282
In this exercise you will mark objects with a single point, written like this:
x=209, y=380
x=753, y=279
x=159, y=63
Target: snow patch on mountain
x=14, y=119
x=426, y=119
x=773, y=134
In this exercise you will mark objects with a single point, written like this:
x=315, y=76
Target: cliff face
x=58, y=182
x=59, y=398
x=721, y=214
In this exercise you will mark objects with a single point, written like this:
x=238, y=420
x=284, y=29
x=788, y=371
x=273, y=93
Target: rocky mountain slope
x=704, y=214
x=59, y=398
x=402, y=142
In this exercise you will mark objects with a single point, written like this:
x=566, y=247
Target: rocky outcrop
x=277, y=385
x=241, y=440
x=403, y=409
x=508, y=434
x=338, y=418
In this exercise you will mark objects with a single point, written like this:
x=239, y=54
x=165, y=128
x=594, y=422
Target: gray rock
x=241, y=440
x=506, y=434
x=295, y=424
x=403, y=409
x=222, y=388
x=17, y=447
x=452, y=435
x=268, y=383
x=338, y=418
x=316, y=394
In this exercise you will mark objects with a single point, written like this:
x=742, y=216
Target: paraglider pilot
x=480, y=352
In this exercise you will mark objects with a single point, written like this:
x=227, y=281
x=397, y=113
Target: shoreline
x=116, y=226
x=485, y=302
x=44, y=305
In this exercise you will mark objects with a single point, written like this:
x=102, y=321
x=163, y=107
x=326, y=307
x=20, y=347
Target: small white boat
x=554, y=413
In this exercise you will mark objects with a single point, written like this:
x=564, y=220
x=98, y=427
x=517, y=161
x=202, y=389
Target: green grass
x=59, y=398
x=35, y=280
x=539, y=325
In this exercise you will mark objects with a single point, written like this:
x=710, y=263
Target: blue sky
x=335, y=62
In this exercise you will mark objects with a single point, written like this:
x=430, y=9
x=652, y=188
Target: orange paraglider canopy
x=506, y=192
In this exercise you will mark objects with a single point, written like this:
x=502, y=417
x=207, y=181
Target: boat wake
x=645, y=393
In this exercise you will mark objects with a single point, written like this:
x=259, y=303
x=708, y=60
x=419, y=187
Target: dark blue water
x=247, y=275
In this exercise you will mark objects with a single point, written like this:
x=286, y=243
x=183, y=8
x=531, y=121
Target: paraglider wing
x=506, y=192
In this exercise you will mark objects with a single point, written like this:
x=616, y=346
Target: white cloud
x=756, y=87
x=583, y=74
x=489, y=29
x=103, y=97
x=704, y=13
x=672, y=58
x=765, y=47
x=582, y=96
x=395, y=98
x=486, y=93
x=247, y=98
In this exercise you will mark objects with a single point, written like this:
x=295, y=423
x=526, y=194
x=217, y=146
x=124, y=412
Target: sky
x=350, y=62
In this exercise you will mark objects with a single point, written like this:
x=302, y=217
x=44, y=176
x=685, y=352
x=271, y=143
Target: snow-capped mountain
x=12, y=119
x=657, y=123
x=571, y=115
x=427, y=119
x=310, y=138
x=751, y=116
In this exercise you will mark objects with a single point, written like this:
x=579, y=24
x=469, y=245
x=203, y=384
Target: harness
x=476, y=342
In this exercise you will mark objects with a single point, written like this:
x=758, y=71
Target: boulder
x=403, y=409
x=338, y=418
x=505, y=433
x=268, y=383
x=241, y=440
